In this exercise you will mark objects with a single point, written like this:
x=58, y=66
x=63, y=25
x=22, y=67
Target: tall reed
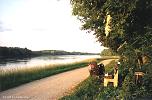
x=16, y=77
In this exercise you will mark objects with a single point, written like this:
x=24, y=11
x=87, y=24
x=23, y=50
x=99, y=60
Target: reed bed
x=15, y=77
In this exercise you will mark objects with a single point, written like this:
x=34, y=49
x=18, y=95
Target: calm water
x=44, y=60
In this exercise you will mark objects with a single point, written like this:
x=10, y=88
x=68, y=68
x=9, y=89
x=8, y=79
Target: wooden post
x=137, y=75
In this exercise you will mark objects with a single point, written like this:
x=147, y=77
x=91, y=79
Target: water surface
x=43, y=61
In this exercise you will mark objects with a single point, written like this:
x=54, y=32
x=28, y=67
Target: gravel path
x=50, y=88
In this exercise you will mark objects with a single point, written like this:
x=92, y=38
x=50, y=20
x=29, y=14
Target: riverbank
x=49, y=88
x=16, y=77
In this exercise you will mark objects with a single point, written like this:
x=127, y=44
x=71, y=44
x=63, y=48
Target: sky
x=43, y=25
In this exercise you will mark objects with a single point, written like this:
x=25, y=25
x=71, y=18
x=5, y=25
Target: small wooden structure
x=114, y=80
x=138, y=75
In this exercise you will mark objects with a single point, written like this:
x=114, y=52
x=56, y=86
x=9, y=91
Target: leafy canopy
x=131, y=21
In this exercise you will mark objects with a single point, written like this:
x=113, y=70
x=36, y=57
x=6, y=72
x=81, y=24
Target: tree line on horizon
x=16, y=52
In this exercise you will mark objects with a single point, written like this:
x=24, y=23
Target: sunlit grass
x=110, y=67
x=15, y=77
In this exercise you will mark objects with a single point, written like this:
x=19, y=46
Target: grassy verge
x=89, y=89
x=86, y=90
x=93, y=89
x=16, y=77
x=111, y=57
x=109, y=67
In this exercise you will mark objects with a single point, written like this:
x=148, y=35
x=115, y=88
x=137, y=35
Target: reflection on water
x=44, y=60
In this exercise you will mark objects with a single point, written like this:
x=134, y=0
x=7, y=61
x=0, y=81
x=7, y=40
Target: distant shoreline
x=21, y=53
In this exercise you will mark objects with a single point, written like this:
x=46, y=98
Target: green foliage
x=128, y=86
x=108, y=93
x=108, y=52
x=10, y=52
x=146, y=86
x=109, y=67
x=131, y=21
x=129, y=90
x=59, y=52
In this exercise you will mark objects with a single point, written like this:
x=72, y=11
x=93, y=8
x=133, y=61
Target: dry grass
x=18, y=76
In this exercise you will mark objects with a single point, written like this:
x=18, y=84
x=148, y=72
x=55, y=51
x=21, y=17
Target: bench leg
x=105, y=83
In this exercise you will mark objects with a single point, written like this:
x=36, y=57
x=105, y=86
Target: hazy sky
x=43, y=24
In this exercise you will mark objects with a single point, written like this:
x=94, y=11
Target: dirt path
x=50, y=88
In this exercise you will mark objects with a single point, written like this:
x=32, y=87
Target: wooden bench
x=114, y=80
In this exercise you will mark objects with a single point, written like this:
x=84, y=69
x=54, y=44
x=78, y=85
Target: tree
x=124, y=26
x=130, y=22
x=108, y=52
x=14, y=52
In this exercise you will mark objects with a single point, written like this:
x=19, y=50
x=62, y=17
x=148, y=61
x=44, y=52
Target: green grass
x=86, y=90
x=17, y=77
x=109, y=67
x=90, y=89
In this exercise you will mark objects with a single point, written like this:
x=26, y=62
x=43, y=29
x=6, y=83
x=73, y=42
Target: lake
x=44, y=60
